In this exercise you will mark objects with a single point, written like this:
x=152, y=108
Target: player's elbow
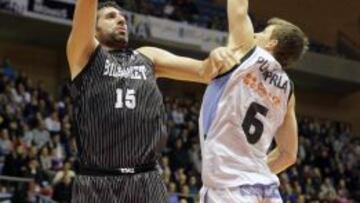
x=204, y=77
x=204, y=72
x=290, y=158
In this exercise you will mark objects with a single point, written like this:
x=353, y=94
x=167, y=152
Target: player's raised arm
x=82, y=43
x=169, y=65
x=284, y=155
x=241, y=31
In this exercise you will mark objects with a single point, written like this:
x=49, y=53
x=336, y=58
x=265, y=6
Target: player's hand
x=219, y=61
x=222, y=59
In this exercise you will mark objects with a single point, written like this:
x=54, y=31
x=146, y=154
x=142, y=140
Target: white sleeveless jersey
x=240, y=114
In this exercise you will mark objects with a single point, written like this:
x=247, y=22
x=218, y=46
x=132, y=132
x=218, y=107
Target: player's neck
x=114, y=48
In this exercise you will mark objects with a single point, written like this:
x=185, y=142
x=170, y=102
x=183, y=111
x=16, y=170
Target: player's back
x=241, y=112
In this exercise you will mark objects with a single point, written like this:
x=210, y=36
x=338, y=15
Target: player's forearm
x=169, y=65
x=81, y=42
x=185, y=69
x=193, y=70
x=279, y=161
x=84, y=21
x=236, y=9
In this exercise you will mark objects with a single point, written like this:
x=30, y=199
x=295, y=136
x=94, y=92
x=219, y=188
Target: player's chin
x=120, y=39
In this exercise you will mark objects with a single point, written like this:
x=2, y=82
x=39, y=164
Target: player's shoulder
x=148, y=52
x=144, y=54
x=270, y=67
x=266, y=55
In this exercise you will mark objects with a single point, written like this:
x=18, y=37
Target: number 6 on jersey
x=253, y=135
x=130, y=99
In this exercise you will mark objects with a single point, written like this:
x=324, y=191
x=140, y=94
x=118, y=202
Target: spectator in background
x=52, y=123
x=177, y=116
x=179, y=156
x=43, y=108
x=62, y=190
x=342, y=191
x=327, y=190
x=66, y=172
x=45, y=159
x=57, y=147
x=173, y=197
x=309, y=189
x=28, y=136
x=31, y=153
x=6, y=145
x=40, y=134
x=289, y=195
x=195, y=157
x=169, y=10
x=31, y=109
x=184, y=200
x=15, y=162
x=34, y=171
x=193, y=186
x=7, y=69
x=56, y=162
x=165, y=165
x=185, y=194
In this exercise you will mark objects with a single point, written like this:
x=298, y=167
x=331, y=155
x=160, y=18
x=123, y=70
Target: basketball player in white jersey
x=246, y=107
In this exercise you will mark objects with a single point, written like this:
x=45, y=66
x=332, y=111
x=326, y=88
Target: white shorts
x=242, y=194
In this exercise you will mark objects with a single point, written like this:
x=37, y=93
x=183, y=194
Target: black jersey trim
x=291, y=90
x=123, y=50
x=246, y=56
x=117, y=171
x=87, y=66
x=147, y=58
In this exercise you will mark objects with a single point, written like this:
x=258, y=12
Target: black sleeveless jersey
x=119, y=115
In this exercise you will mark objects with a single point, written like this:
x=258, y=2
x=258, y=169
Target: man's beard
x=117, y=40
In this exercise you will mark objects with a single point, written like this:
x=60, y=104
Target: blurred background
x=37, y=146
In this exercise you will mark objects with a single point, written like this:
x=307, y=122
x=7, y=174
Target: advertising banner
x=140, y=26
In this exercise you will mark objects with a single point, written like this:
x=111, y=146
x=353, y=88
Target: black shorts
x=146, y=187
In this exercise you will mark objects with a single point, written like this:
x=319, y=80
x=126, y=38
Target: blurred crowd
x=181, y=161
x=35, y=139
x=328, y=165
x=205, y=14
x=36, y=142
x=195, y=12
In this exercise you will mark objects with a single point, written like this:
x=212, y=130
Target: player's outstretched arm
x=81, y=42
x=284, y=155
x=171, y=66
x=241, y=31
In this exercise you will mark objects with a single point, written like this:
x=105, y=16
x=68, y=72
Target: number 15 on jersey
x=125, y=99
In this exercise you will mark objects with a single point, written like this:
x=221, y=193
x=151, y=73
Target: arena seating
x=205, y=14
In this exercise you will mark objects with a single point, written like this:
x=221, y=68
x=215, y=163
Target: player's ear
x=271, y=44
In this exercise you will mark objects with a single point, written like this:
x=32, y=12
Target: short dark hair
x=106, y=4
x=292, y=42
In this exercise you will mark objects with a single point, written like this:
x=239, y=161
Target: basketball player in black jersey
x=119, y=115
